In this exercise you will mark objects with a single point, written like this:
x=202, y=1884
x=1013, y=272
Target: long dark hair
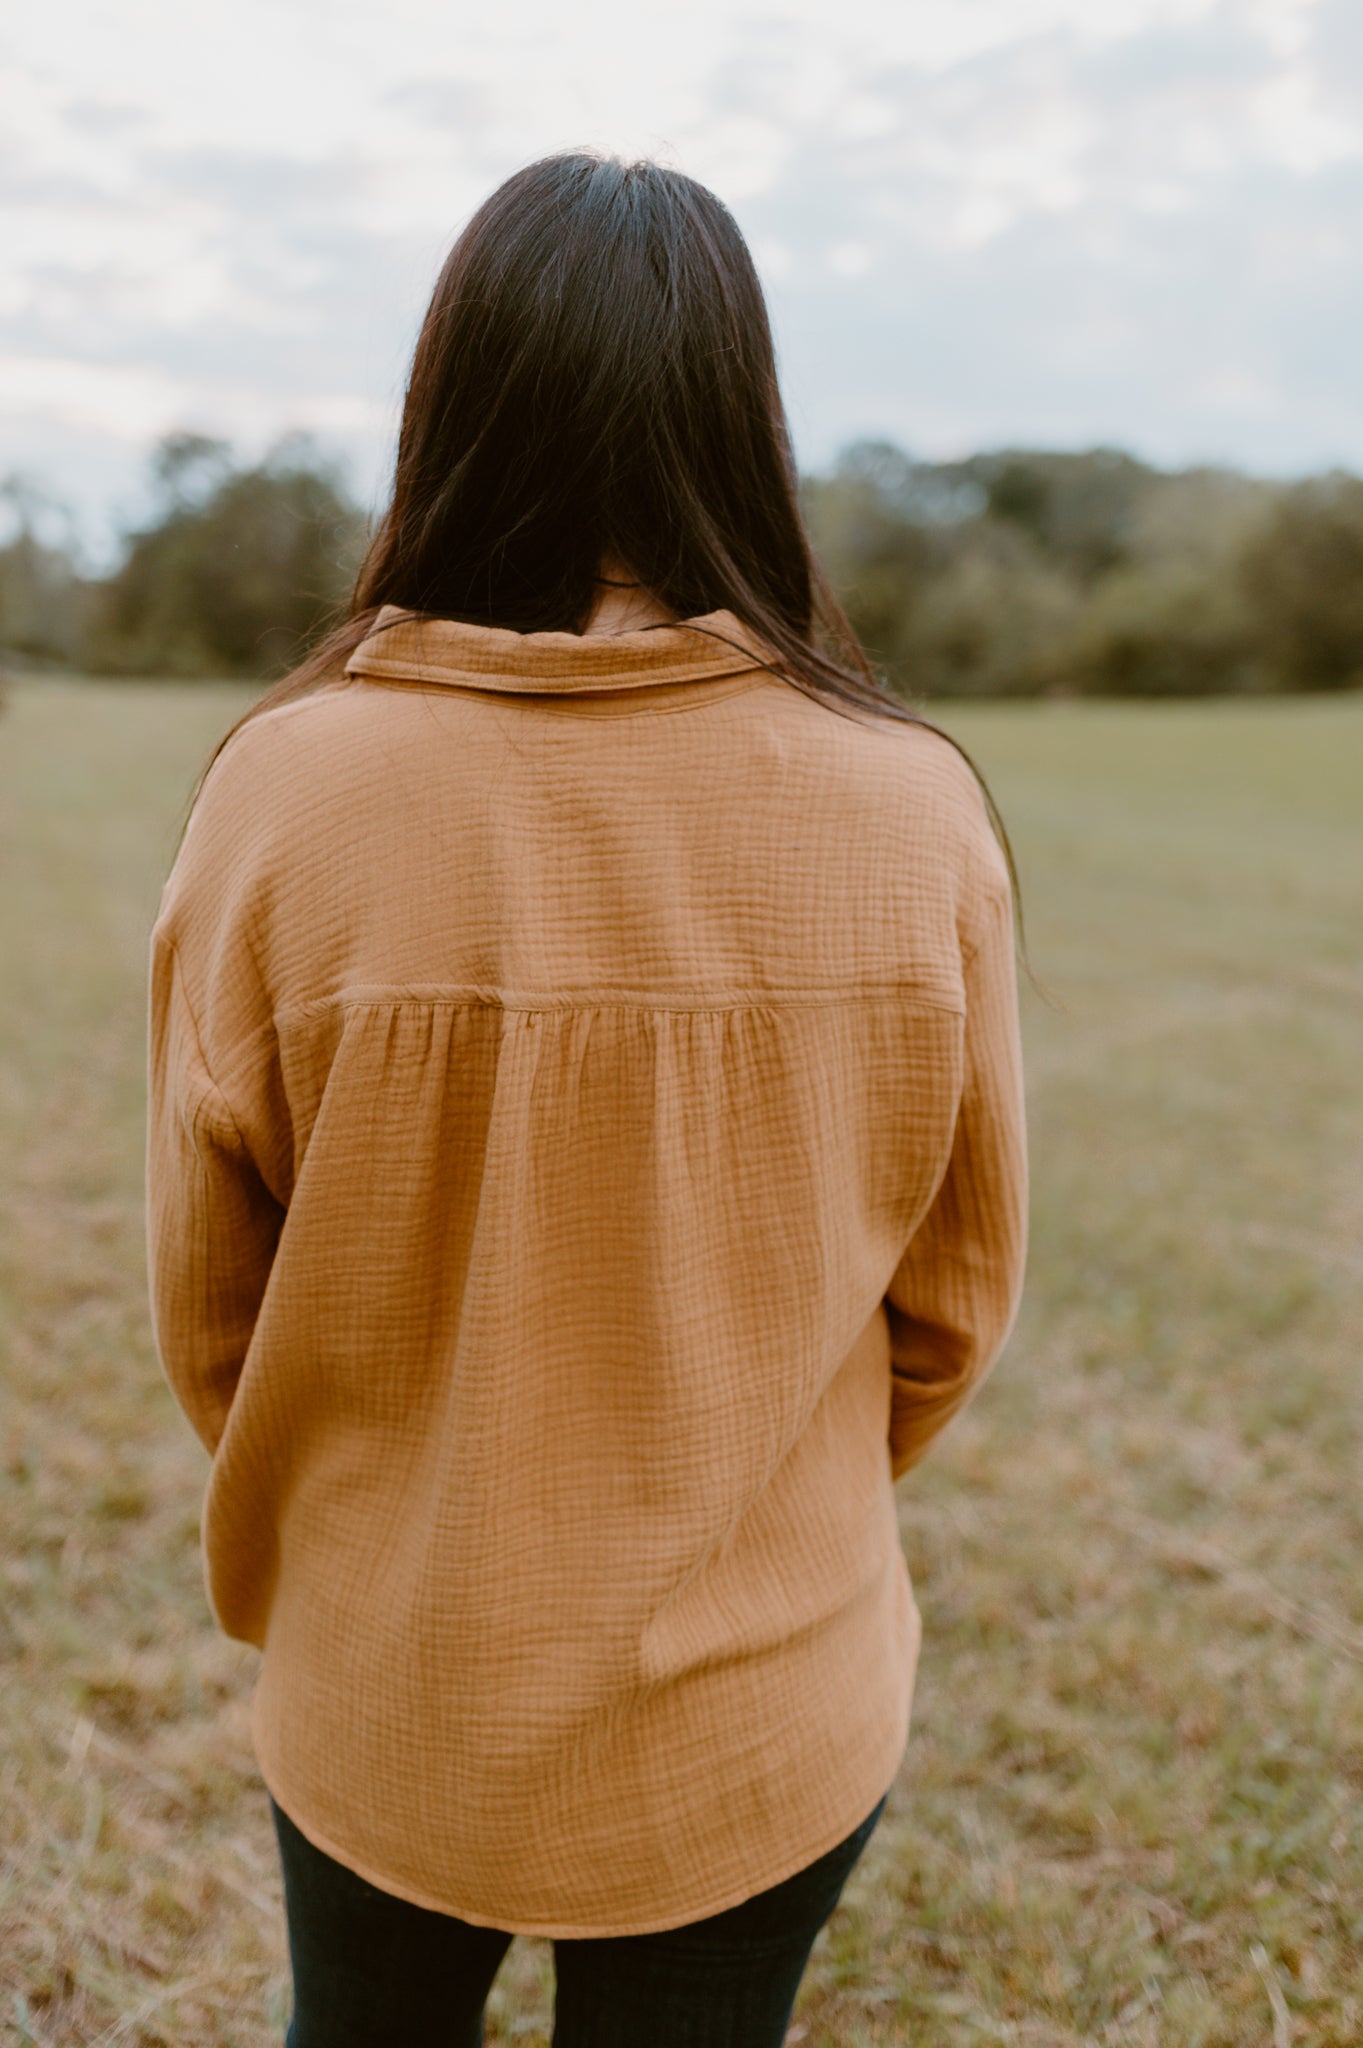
x=595, y=378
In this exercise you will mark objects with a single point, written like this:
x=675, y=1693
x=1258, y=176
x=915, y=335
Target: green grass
x=1130, y=1810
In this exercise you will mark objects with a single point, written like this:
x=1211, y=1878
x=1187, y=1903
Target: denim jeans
x=373, y=1971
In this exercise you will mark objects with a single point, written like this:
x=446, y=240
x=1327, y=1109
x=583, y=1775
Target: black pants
x=373, y=1971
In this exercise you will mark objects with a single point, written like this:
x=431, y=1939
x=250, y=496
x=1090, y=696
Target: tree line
x=232, y=574
x=1013, y=573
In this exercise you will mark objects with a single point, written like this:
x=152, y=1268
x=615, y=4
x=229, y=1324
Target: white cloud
x=109, y=399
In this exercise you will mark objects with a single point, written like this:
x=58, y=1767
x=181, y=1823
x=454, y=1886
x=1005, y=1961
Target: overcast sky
x=1056, y=222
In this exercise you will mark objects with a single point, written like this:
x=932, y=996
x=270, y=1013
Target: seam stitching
x=558, y=704
x=490, y=999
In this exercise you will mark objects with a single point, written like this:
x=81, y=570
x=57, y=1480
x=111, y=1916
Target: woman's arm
x=955, y=1292
x=212, y=1225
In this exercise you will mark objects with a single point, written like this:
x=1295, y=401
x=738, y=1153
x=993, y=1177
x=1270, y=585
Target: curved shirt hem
x=563, y=1930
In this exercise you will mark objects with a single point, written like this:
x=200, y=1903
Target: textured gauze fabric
x=586, y=1168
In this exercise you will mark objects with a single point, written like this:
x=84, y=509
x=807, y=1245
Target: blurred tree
x=911, y=492
x=188, y=468
x=241, y=569
x=878, y=557
x=1013, y=572
x=991, y=623
x=1079, y=508
x=947, y=598
x=1019, y=492
x=1021, y=571
x=42, y=594
x=1171, y=630
x=1202, y=515
x=1303, y=577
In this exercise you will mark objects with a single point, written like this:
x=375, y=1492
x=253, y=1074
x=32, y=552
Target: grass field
x=1131, y=1810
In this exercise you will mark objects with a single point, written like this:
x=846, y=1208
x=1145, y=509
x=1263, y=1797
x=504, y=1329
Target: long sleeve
x=955, y=1293
x=212, y=1225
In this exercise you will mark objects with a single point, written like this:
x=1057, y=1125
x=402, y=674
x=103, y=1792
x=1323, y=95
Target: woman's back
x=596, y=1068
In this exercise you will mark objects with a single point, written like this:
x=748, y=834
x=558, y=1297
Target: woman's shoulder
x=933, y=810
x=905, y=767
x=294, y=760
x=275, y=739
x=276, y=787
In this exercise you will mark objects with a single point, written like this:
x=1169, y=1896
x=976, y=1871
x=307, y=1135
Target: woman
x=586, y=1167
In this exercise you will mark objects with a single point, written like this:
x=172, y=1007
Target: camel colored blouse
x=585, y=1167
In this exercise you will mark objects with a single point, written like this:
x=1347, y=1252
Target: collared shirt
x=586, y=1169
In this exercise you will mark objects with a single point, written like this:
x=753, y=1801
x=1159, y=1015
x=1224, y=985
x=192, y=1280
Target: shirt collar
x=413, y=647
